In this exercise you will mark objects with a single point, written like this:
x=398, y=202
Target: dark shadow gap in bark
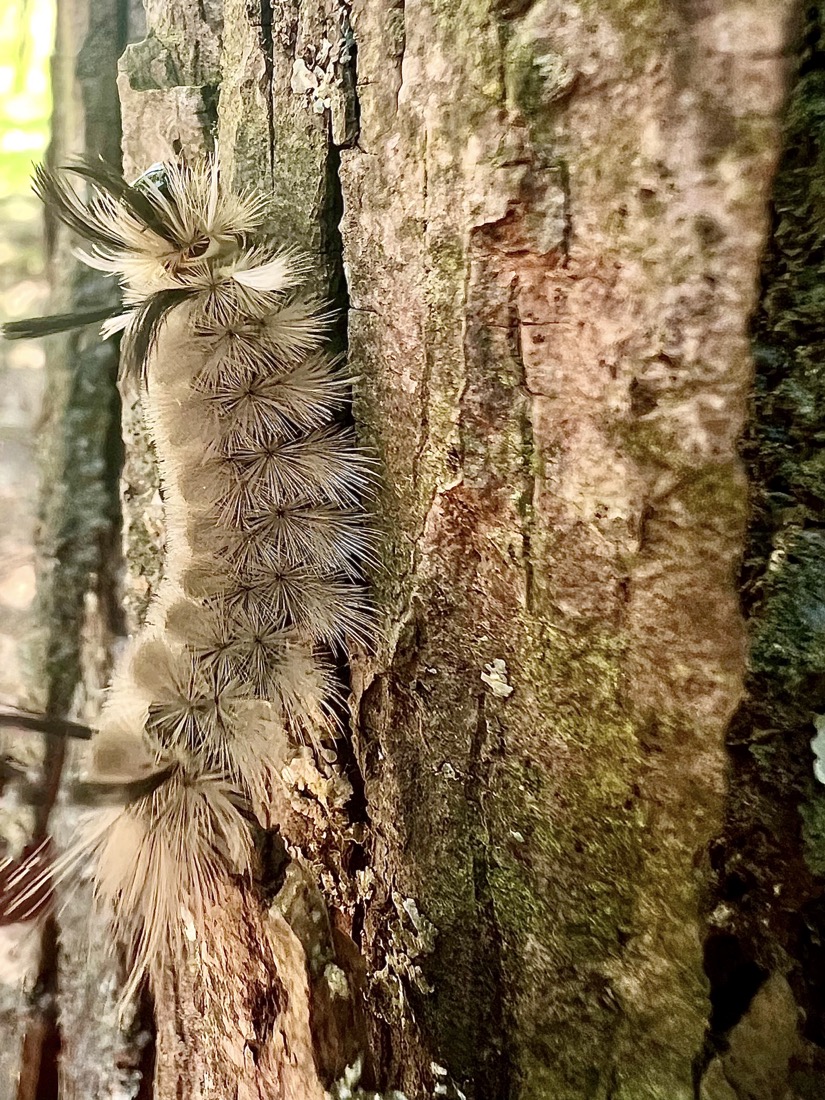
x=734, y=980
x=39, y=1079
x=332, y=252
x=274, y=861
x=145, y=1042
x=267, y=48
x=494, y=1076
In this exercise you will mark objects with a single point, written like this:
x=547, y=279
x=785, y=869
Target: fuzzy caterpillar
x=267, y=539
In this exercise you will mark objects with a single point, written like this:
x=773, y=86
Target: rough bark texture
x=552, y=229
x=551, y=220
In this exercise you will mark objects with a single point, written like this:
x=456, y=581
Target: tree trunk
x=542, y=223
x=65, y=1038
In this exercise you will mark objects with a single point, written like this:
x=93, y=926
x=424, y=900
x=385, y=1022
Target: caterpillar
x=268, y=539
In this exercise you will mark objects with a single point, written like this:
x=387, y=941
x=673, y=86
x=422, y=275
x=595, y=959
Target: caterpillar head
x=177, y=228
x=203, y=223
x=177, y=233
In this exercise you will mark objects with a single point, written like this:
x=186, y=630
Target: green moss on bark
x=530, y=866
x=771, y=861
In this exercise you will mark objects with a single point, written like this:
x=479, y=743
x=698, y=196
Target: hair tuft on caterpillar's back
x=267, y=540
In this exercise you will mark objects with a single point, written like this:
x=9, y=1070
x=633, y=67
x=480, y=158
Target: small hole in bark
x=708, y=230
x=642, y=398
x=274, y=862
x=736, y=885
x=267, y=1003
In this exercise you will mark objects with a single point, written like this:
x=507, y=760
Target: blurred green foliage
x=26, y=43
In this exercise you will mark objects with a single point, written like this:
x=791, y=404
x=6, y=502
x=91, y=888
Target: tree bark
x=543, y=223
x=552, y=322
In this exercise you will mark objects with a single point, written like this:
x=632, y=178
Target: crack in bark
x=567, y=216
x=495, y=1078
x=39, y=1078
x=332, y=248
x=528, y=440
x=400, y=6
x=267, y=49
x=768, y=886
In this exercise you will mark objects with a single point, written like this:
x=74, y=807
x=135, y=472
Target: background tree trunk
x=60, y=1035
x=543, y=223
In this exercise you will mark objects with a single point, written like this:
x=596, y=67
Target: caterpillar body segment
x=267, y=539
